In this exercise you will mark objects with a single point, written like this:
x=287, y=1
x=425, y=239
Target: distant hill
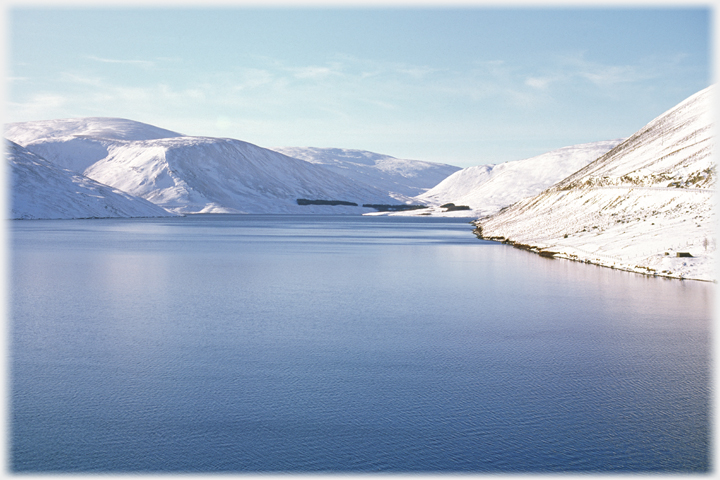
x=94, y=127
x=637, y=207
x=77, y=143
x=42, y=190
x=198, y=174
x=401, y=178
x=191, y=174
x=485, y=189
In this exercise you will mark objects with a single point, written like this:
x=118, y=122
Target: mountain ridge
x=190, y=174
x=643, y=207
x=485, y=189
x=402, y=178
x=42, y=190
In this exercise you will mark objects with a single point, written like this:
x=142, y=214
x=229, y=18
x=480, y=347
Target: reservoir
x=341, y=344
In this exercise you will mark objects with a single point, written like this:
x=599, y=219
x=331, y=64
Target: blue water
x=343, y=344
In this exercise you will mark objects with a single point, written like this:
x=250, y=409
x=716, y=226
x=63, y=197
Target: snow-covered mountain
x=488, y=188
x=402, y=178
x=77, y=143
x=188, y=174
x=42, y=190
x=197, y=174
x=24, y=133
x=643, y=206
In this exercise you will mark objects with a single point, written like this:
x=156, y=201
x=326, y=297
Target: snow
x=203, y=174
x=42, y=190
x=24, y=133
x=188, y=174
x=636, y=207
x=77, y=143
x=401, y=178
x=488, y=188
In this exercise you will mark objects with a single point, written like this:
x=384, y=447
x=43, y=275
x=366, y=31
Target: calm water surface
x=310, y=344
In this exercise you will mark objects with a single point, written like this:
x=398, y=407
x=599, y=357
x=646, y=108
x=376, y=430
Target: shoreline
x=555, y=253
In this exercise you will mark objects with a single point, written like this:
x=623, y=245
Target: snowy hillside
x=488, y=188
x=40, y=189
x=402, y=178
x=191, y=174
x=77, y=143
x=641, y=207
x=196, y=174
x=96, y=127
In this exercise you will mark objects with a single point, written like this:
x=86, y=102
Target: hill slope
x=95, y=127
x=488, y=188
x=196, y=174
x=42, y=190
x=402, y=178
x=77, y=143
x=190, y=174
x=636, y=207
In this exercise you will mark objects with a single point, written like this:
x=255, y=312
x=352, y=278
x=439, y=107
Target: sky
x=468, y=85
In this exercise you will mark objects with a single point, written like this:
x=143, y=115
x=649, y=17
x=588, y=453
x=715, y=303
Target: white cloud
x=249, y=78
x=314, y=73
x=74, y=78
x=603, y=75
x=51, y=100
x=139, y=63
x=538, y=82
x=350, y=90
x=344, y=97
x=41, y=106
x=417, y=72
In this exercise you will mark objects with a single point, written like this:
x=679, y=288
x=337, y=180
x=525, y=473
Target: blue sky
x=465, y=86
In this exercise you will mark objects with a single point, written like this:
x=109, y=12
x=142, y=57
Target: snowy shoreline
x=614, y=262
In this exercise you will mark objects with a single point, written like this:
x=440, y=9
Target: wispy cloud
x=346, y=91
x=417, y=72
x=538, y=82
x=78, y=79
x=139, y=63
x=345, y=97
x=606, y=75
x=315, y=72
x=577, y=70
x=41, y=106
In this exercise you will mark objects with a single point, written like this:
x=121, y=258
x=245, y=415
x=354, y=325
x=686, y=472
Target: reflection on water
x=307, y=344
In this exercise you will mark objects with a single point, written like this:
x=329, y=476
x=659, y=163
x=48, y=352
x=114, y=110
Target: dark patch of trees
x=449, y=207
x=305, y=201
x=392, y=208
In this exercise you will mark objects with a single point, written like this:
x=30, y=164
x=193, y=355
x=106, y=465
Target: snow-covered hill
x=42, y=190
x=191, y=174
x=402, y=178
x=641, y=207
x=77, y=143
x=196, y=174
x=95, y=127
x=488, y=188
